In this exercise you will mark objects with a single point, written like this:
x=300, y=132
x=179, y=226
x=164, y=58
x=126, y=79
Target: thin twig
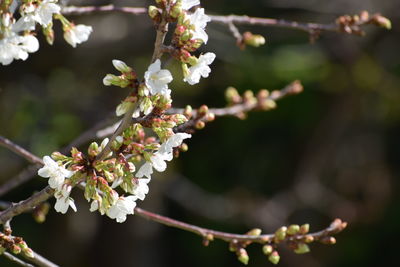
x=311, y=28
x=336, y=226
x=16, y=260
x=19, y=150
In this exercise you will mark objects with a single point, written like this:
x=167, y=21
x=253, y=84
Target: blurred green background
x=332, y=151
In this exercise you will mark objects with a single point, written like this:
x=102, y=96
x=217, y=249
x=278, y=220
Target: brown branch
x=314, y=29
x=336, y=226
x=16, y=260
x=293, y=88
x=84, y=10
x=19, y=150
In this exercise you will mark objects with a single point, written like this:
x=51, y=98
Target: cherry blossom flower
x=77, y=34
x=42, y=14
x=164, y=153
x=64, y=201
x=188, y=4
x=124, y=206
x=199, y=20
x=54, y=172
x=200, y=69
x=17, y=47
x=141, y=188
x=157, y=79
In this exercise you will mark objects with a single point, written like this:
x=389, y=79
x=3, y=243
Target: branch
x=20, y=151
x=16, y=260
x=236, y=109
x=335, y=227
x=344, y=24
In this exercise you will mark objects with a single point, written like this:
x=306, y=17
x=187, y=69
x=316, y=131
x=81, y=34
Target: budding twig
x=314, y=29
x=19, y=150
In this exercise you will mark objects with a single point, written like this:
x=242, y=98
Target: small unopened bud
x=186, y=35
x=254, y=232
x=16, y=249
x=58, y=156
x=267, y=249
x=93, y=149
x=49, y=33
x=200, y=125
x=192, y=60
x=176, y=10
x=280, y=234
x=263, y=93
x=210, y=117
x=267, y=104
x=274, y=257
x=255, y=40
x=293, y=229
x=188, y=111
x=153, y=12
x=184, y=147
x=304, y=229
x=382, y=21
x=308, y=238
x=302, y=248
x=243, y=257
x=232, y=95
x=28, y=252
x=203, y=109
x=111, y=79
x=121, y=66
x=329, y=240
x=364, y=15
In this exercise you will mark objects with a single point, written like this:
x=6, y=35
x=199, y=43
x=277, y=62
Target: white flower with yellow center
x=157, y=79
x=200, y=69
x=64, y=201
x=54, y=172
x=123, y=207
x=77, y=34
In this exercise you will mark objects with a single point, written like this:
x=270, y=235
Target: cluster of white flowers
x=164, y=153
x=17, y=41
x=57, y=175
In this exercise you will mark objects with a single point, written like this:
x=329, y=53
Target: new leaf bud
x=243, y=257
x=267, y=249
x=280, y=234
x=304, y=229
x=255, y=40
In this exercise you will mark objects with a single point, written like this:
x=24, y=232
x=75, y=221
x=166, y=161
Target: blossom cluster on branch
x=116, y=173
x=17, y=37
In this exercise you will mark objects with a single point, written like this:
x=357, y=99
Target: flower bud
x=254, y=232
x=280, y=234
x=121, y=66
x=153, y=12
x=243, y=257
x=184, y=147
x=304, y=229
x=308, y=238
x=293, y=229
x=188, y=111
x=382, y=21
x=93, y=149
x=255, y=40
x=200, y=125
x=274, y=257
x=111, y=79
x=49, y=33
x=302, y=248
x=203, y=109
x=28, y=252
x=267, y=249
x=15, y=249
x=267, y=104
x=176, y=10
x=232, y=95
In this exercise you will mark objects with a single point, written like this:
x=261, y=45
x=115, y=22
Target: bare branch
x=347, y=26
x=16, y=260
x=336, y=226
x=19, y=150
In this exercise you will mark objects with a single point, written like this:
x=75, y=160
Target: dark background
x=332, y=151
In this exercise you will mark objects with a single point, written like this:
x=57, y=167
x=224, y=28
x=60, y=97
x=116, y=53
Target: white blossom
x=77, y=34
x=200, y=69
x=157, y=79
x=141, y=188
x=42, y=14
x=17, y=47
x=64, y=201
x=188, y=4
x=145, y=170
x=164, y=153
x=54, y=172
x=199, y=20
x=123, y=207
